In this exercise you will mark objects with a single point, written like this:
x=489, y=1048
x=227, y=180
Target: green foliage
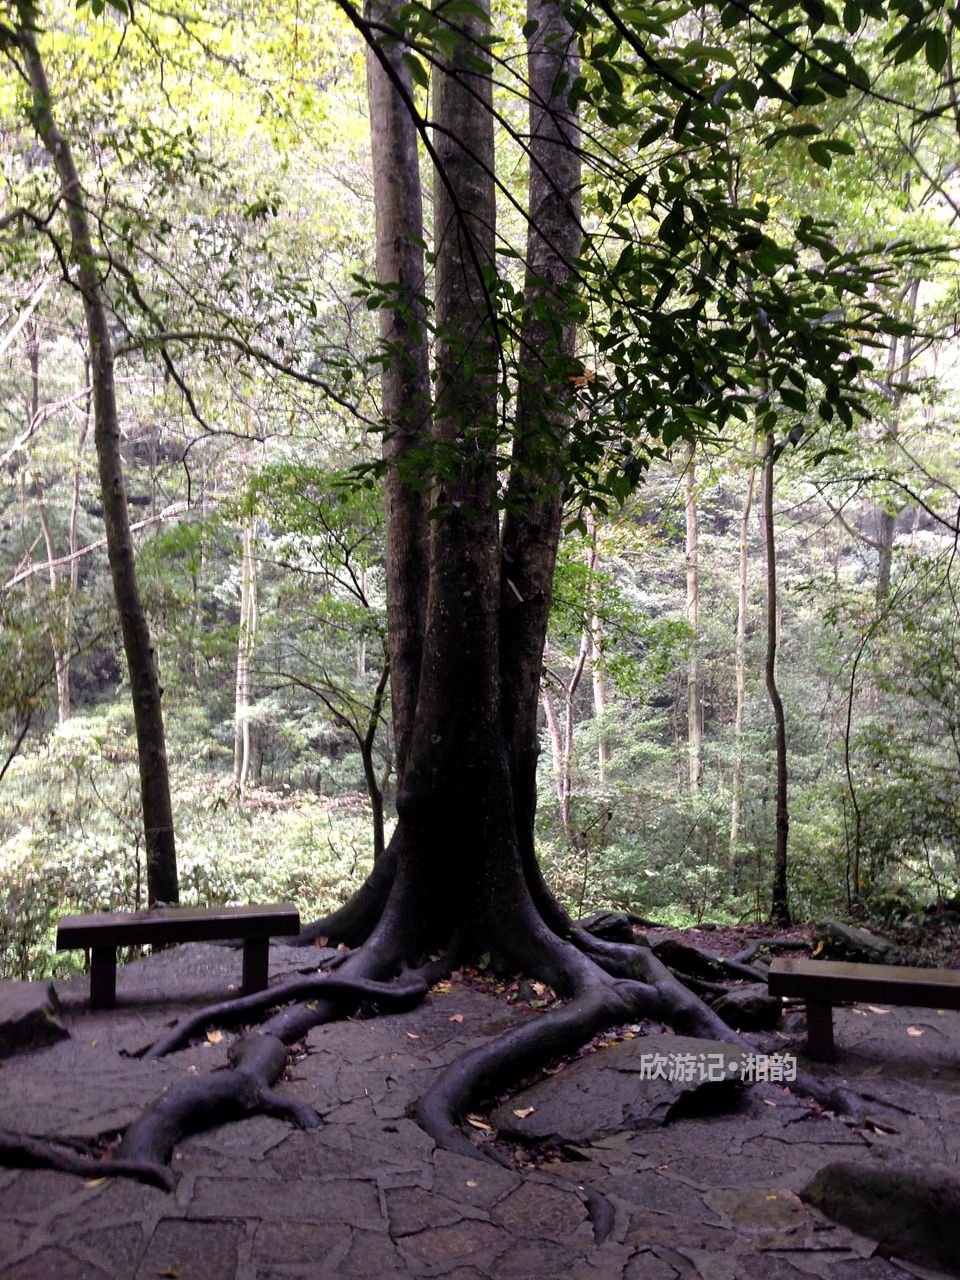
x=83, y=848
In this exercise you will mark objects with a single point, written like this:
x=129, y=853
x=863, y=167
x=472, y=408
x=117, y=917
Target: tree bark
x=736, y=797
x=598, y=673
x=694, y=699
x=534, y=498
x=246, y=646
x=897, y=369
x=405, y=376
x=779, y=909
x=144, y=683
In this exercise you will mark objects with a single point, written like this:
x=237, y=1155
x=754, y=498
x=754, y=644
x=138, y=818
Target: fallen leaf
x=479, y=1124
x=770, y=1102
x=471, y=1182
x=95, y=1182
x=522, y=1112
x=342, y=946
x=442, y=988
x=770, y=1197
x=321, y=941
x=914, y=1031
x=214, y=1036
x=817, y=949
x=876, y=1009
x=455, y=1017
x=170, y=1273
x=539, y=987
x=412, y=1035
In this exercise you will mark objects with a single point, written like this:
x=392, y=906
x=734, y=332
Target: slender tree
x=779, y=906
x=141, y=662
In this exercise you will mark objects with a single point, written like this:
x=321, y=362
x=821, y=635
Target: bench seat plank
x=175, y=924
x=103, y=932
x=833, y=980
x=822, y=983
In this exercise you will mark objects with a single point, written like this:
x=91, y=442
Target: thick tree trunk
x=694, y=699
x=405, y=378
x=736, y=798
x=456, y=777
x=534, y=500
x=779, y=909
x=144, y=683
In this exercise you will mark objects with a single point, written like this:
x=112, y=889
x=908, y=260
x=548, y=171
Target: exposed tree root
x=244, y=1088
x=389, y=996
x=605, y=984
x=756, y=945
x=353, y=923
x=21, y=1151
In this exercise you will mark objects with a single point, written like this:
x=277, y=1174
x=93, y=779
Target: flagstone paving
x=367, y=1195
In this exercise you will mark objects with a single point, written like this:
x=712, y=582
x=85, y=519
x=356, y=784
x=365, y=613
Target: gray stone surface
x=366, y=1195
x=30, y=1016
x=911, y=1211
x=749, y=1008
x=635, y=1084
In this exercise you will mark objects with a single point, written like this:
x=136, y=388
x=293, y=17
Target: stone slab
x=625, y=1086
x=30, y=1017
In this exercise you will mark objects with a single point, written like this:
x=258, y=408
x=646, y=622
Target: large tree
x=493, y=452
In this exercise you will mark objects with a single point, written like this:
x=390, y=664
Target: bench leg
x=103, y=977
x=256, y=964
x=820, y=1044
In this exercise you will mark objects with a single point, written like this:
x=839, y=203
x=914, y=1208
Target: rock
x=749, y=1008
x=912, y=1212
x=612, y=1090
x=836, y=941
x=30, y=1016
x=689, y=960
x=611, y=926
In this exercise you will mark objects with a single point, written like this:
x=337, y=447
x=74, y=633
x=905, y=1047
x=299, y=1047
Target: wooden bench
x=824, y=983
x=102, y=933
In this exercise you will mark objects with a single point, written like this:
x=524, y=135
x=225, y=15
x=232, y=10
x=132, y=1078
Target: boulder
x=611, y=926
x=912, y=1212
x=749, y=1008
x=636, y=1084
x=30, y=1017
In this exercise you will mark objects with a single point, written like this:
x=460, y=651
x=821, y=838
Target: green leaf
x=935, y=49
x=820, y=153
x=417, y=70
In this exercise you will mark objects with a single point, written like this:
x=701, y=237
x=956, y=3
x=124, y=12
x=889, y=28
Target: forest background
x=226, y=161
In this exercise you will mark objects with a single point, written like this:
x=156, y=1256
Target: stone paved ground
x=366, y=1195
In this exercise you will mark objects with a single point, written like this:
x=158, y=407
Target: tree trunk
x=144, y=683
x=405, y=377
x=897, y=370
x=534, y=499
x=598, y=672
x=59, y=633
x=694, y=699
x=246, y=645
x=736, y=798
x=779, y=910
